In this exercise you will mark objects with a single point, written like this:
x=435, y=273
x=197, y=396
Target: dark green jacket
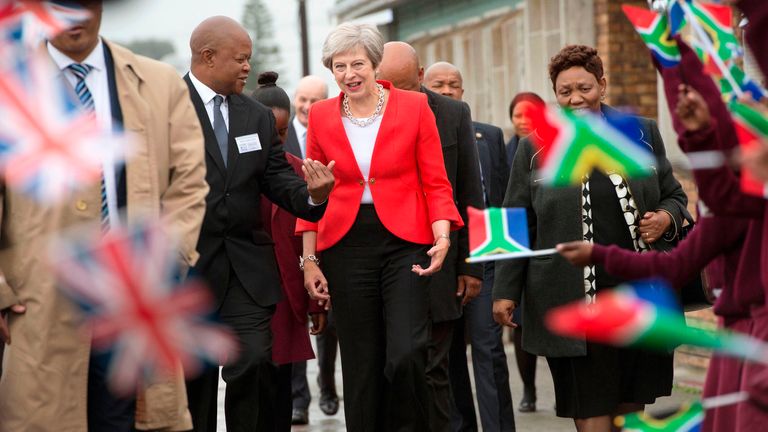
x=554, y=216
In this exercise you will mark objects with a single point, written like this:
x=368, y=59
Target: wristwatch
x=312, y=258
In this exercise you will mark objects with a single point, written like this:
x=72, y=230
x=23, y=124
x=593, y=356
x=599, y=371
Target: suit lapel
x=211, y=145
x=292, y=141
x=431, y=100
x=238, y=126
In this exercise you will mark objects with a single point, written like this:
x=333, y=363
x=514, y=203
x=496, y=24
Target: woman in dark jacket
x=518, y=109
x=592, y=382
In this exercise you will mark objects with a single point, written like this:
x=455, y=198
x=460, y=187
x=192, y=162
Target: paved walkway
x=542, y=420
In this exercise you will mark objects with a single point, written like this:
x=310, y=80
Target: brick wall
x=631, y=76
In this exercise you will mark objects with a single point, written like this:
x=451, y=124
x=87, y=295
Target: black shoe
x=299, y=416
x=527, y=406
x=329, y=403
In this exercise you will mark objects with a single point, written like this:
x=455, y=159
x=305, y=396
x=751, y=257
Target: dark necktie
x=81, y=71
x=220, y=128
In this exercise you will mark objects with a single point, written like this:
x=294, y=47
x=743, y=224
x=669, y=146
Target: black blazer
x=292, y=141
x=233, y=233
x=454, y=124
x=493, y=160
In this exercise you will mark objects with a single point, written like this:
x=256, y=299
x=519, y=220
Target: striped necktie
x=81, y=71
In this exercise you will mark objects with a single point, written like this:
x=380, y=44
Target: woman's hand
x=691, y=109
x=319, y=322
x=653, y=225
x=438, y=253
x=316, y=284
x=578, y=253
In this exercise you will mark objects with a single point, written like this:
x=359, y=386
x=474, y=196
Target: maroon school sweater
x=713, y=237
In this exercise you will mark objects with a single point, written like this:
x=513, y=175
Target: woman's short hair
x=348, y=36
x=576, y=55
x=270, y=94
x=525, y=97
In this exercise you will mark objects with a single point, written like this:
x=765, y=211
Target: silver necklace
x=366, y=121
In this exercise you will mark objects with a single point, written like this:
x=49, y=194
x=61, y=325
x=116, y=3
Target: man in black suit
x=457, y=282
x=489, y=362
x=244, y=159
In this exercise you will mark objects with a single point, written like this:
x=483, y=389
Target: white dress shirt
x=97, y=82
x=207, y=95
x=301, y=136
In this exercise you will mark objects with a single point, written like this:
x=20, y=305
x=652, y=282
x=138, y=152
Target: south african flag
x=499, y=233
x=655, y=32
x=688, y=419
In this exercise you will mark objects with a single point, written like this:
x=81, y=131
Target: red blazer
x=407, y=178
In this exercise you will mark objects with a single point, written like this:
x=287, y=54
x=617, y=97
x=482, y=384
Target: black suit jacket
x=233, y=233
x=454, y=124
x=292, y=142
x=493, y=161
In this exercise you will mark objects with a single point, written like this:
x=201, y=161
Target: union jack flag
x=32, y=21
x=48, y=147
x=126, y=282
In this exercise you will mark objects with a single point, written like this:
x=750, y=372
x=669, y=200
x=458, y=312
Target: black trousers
x=283, y=402
x=251, y=393
x=107, y=412
x=327, y=347
x=381, y=318
x=441, y=403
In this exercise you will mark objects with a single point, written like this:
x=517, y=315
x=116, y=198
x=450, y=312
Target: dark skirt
x=594, y=385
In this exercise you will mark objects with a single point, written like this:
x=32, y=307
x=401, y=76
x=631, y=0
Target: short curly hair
x=576, y=55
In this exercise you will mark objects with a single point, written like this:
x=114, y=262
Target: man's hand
x=502, y=312
x=319, y=322
x=316, y=284
x=468, y=288
x=319, y=179
x=5, y=334
x=653, y=225
x=578, y=253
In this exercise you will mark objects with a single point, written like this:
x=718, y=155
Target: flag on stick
x=499, y=233
x=572, y=145
x=655, y=31
x=688, y=418
x=126, y=283
x=640, y=315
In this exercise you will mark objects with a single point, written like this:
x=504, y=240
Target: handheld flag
x=572, y=145
x=687, y=419
x=126, y=283
x=48, y=147
x=32, y=21
x=752, y=130
x=499, y=233
x=632, y=316
x=655, y=31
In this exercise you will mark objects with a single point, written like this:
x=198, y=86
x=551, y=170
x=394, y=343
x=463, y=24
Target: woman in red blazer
x=385, y=230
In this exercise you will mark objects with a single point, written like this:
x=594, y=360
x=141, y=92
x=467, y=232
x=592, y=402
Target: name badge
x=248, y=143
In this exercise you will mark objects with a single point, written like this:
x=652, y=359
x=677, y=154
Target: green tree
x=266, y=52
x=152, y=48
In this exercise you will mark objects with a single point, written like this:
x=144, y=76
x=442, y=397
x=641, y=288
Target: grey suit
x=554, y=216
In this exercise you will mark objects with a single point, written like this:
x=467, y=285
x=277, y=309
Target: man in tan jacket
x=47, y=383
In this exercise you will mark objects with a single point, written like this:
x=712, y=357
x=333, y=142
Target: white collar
x=95, y=59
x=300, y=128
x=206, y=93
